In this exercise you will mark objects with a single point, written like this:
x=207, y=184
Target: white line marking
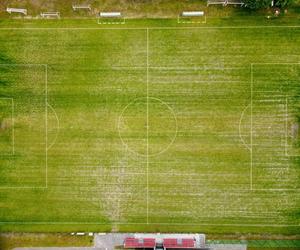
x=147, y=123
x=46, y=122
x=151, y=223
x=159, y=152
x=194, y=68
x=251, y=129
x=275, y=189
x=155, y=28
x=190, y=22
x=240, y=132
x=268, y=63
x=58, y=126
x=13, y=124
x=286, y=125
x=23, y=187
x=226, y=27
x=111, y=22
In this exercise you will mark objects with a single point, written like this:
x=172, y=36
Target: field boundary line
x=276, y=63
x=141, y=223
x=46, y=121
x=276, y=189
x=193, y=67
x=153, y=28
x=229, y=27
x=251, y=127
x=46, y=124
x=211, y=224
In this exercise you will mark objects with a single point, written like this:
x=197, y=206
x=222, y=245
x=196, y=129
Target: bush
x=262, y=4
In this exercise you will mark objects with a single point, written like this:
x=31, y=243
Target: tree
x=257, y=4
x=282, y=3
x=262, y=4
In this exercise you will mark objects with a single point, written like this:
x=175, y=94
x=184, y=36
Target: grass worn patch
x=186, y=129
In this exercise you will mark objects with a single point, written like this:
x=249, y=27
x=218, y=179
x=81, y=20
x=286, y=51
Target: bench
x=16, y=10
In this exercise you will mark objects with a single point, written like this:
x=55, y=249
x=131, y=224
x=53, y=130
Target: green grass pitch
x=188, y=129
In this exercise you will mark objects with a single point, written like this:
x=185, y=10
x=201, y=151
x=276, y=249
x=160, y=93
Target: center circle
x=147, y=126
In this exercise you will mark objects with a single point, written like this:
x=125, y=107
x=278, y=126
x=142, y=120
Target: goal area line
x=113, y=21
x=191, y=20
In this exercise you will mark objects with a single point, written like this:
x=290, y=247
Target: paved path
x=227, y=246
x=109, y=241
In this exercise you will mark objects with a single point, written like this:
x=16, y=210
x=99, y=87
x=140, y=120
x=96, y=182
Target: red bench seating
x=179, y=243
x=131, y=242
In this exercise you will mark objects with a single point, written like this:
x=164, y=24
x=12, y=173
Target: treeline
x=260, y=4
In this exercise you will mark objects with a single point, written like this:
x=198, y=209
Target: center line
x=251, y=129
x=147, y=125
x=286, y=125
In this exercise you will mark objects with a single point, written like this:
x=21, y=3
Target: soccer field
x=150, y=128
